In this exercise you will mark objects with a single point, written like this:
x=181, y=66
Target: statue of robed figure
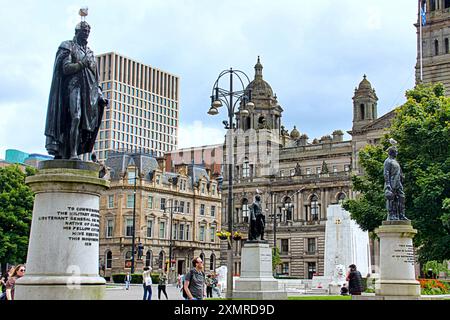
x=76, y=104
x=257, y=220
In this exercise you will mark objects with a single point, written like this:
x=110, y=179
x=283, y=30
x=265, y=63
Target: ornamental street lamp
x=169, y=264
x=133, y=245
x=230, y=99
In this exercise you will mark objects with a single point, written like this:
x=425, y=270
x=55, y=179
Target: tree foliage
x=276, y=259
x=16, y=207
x=422, y=129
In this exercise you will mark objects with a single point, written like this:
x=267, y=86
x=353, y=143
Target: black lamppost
x=133, y=245
x=231, y=99
x=169, y=267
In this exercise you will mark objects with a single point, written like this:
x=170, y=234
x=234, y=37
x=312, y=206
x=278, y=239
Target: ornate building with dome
x=298, y=178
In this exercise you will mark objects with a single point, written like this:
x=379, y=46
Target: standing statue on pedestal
x=76, y=103
x=257, y=220
x=393, y=186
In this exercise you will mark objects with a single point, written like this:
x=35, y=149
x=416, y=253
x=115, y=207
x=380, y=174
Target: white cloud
x=374, y=18
x=197, y=134
x=314, y=53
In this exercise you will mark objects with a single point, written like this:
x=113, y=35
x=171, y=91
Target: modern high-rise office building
x=143, y=113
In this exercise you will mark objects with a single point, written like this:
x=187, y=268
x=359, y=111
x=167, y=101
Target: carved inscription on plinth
x=78, y=223
x=404, y=253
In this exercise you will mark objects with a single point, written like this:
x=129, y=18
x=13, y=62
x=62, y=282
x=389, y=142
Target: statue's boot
x=403, y=217
x=392, y=217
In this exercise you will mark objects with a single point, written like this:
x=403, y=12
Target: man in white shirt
x=147, y=283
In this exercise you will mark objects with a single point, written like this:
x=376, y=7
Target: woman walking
x=147, y=283
x=162, y=285
x=19, y=271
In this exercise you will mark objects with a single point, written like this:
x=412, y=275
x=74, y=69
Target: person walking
x=215, y=283
x=19, y=271
x=147, y=283
x=354, y=279
x=209, y=282
x=179, y=281
x=194, y=281
x=3, y=281
x=162, y=285
x=127, y=281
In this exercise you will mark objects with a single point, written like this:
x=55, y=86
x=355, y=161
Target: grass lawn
x=321, y=298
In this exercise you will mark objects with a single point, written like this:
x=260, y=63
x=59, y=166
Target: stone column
x=397, y=273
x=323, y=207
x=62, y=261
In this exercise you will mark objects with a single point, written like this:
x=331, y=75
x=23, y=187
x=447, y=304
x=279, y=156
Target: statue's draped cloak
x=58, y=121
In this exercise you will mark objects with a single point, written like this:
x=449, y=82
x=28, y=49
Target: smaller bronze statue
x=298, y=170
x=393, y=187
x=257, y=221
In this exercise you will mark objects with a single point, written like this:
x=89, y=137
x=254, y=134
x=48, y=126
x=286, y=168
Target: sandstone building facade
x=298, y=178
x=179, y=209
x=435, y=43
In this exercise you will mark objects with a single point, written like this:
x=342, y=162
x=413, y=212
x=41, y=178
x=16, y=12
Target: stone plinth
x=397, y=272
x=257, y=281
x=62, y=261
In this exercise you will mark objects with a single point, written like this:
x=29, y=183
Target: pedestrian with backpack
x=194, y=283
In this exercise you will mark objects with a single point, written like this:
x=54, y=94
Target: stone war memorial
x=62, y=261
x=256, y=280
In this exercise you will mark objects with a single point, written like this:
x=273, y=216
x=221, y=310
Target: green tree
x=422, y=129
x=276, y=259
x=16, y=207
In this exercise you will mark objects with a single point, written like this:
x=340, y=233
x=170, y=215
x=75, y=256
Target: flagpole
x=420, y=41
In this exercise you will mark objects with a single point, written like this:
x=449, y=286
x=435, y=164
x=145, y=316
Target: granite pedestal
x=397, y=262
x=62, y=261
x=257, y=281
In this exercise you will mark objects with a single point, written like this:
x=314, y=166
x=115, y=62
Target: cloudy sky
x=314, y=54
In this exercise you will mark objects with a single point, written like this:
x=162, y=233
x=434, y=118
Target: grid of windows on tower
x=143, y=108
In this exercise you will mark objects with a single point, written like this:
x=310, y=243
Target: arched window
x=314, y=208
x=246, y=169
x=288, y=207
x=202, y=256
x=128, y=259
x=148, y=258
x=362, y=111
x=212, y=262
x=436, y=47
x=245, y=210
x=109, y=260
x=341, y=197
x=161, y=260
